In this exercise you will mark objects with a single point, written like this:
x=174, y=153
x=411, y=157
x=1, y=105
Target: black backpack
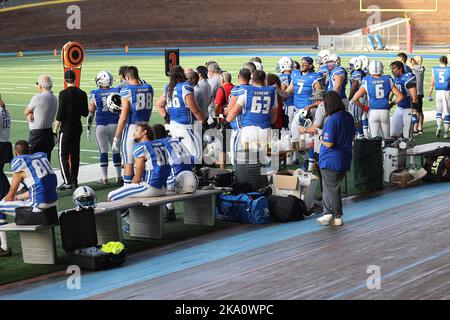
x=437, y=165
x=286, y=209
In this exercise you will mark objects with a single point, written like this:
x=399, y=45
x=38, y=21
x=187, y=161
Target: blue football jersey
x=141, y=101
x=324, y=70
x=236, y=92
x=357, y=75
x=378, y=91
x=441, y=78
x=40, y=179
x=157, y=165
x=401, y=83
x=176, y=105
x=338, y=71
x=103, y=115
x=304, y=87
x=179, y=157
x=257, y=109
x=285, y=79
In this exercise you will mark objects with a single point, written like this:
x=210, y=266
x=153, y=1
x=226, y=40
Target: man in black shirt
x=73, y=103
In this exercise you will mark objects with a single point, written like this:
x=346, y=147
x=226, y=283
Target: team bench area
x=145, y=219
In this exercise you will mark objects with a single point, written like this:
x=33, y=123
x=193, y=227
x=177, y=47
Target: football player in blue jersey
x=152, y=167
x=323, y=68
x=356, y=76
x=257, y=104
x=285, y=67
x=403, y=58
x=106, y=124
x=244, y=78
x=401, y=119
x=36, y=173
x=179, y=158
x=365, y=64
x=338, y=78
x=184, y=116
x=377, y=87
x=303, y=83
x=440, y=81
x=137, y=105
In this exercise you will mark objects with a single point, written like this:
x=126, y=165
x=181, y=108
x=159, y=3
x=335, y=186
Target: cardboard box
x=286, y=184
x=302, y=186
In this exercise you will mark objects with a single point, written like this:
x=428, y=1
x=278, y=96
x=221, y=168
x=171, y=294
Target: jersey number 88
x=144, y=101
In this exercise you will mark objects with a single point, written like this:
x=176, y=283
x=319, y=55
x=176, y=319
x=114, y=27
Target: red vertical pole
x=409, y=38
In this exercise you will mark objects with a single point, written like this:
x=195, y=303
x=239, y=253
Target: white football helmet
x=114, y=103
x=84, y=197
x=365, y=62
x=186, y=182
x=285, y=64
x=333, y=58
x=355, y=63
x=104, y=79
x=322, y=57
x=304, y=118
x=376, y=67
x=258, y=66
x=213, y=147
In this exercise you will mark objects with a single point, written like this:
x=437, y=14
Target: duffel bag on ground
x=437, y=165
x=248, y=208
x=286, y=209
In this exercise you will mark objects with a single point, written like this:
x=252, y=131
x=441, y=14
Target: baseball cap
x=69, y=76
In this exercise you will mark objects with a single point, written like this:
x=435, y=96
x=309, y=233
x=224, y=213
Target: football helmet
x=285, y=64
x=355, y=63
x=186, y=182
x=304, y=118
x=365, y=62
x=114, y=103
x=322, y=57
x=84, y=197
x=104, y=79
x=376, y=67
x=333, y=58
x=213, y=146
x=258, y=65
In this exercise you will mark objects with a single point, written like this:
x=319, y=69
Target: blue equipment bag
x=247, y=207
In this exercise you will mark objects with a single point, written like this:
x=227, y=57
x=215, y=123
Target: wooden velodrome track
x=403, y=232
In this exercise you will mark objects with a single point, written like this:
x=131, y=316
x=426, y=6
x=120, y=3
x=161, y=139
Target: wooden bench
x=38, y=242
x=146, y=221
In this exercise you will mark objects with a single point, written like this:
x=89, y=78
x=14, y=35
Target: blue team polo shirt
x=339, y=129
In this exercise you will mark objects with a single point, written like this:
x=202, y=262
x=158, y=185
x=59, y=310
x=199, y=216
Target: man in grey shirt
x=205, y=88
x=214, y=79
x=40, y=113
x=199, y=95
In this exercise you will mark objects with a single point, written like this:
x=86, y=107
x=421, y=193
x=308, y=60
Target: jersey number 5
x=441, y=77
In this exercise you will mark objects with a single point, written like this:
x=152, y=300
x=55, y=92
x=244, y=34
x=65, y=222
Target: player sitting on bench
x=35, y=171
x=180, y=160
x=152, y=167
